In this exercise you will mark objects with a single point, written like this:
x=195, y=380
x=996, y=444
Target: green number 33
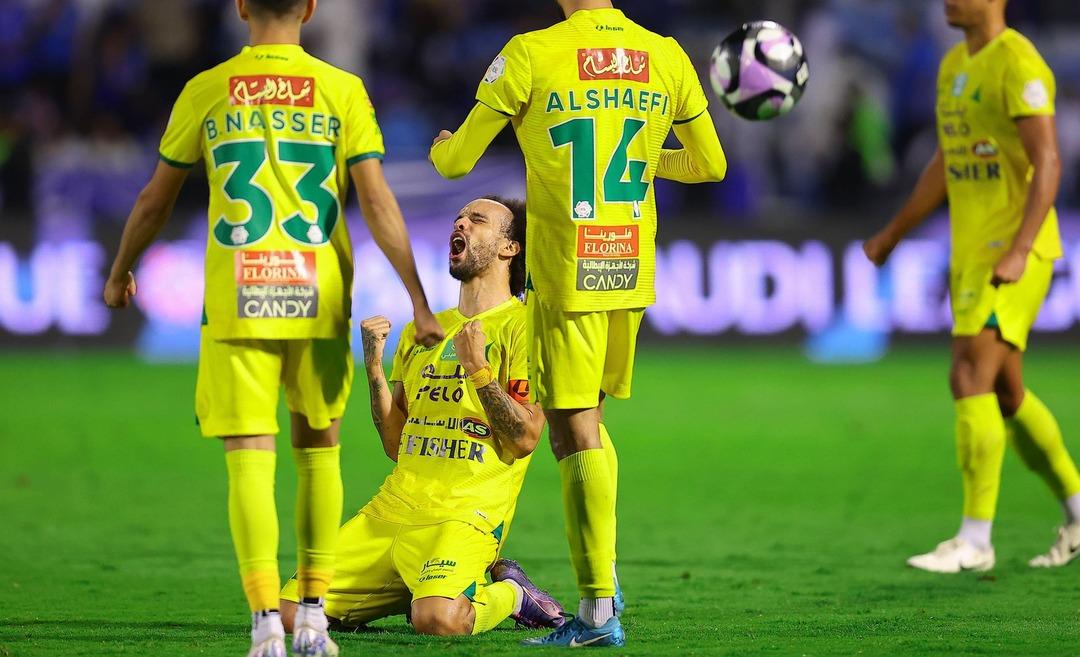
x=246, y=158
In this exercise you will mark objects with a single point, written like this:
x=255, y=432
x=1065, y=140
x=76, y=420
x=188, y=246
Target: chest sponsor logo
x=475, y=428
x=975, y=172
x=613, y=64
x=272, y=90
x=276, y=285
x=984, y=149
x=449, y=352
x=455, y=449
x=958, y=84
x=603, y=275
x=608, y=242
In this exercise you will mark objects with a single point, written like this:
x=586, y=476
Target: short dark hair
x=276, y=8
x=515, y=232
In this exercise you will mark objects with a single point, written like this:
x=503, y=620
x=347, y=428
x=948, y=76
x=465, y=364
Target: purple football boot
x=538, y=608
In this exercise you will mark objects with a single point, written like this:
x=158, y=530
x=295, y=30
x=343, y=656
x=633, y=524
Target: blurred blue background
x=770, y=254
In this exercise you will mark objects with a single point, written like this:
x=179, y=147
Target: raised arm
x=152, y=209
x=388, y=410
x=928, y=195
x=455, y=154
x=701, y=159
x=387, y=226
x=516, y=425
x=1039, y=135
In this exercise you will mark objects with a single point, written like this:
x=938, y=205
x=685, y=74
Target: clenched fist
x=469, y=344
x=119, y=290
x=879, y=247
x=429, y=332
x=1010, y=268
x=373, y=332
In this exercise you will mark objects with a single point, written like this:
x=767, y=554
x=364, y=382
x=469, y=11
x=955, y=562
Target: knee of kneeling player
x=442, y=616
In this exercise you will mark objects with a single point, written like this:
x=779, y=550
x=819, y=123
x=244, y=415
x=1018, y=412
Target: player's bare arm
x=151, y=211
x=516, y=426
x=1039, y=135
x=928, y=195
x=454, y=154
x=388, y=410
x=387, y=226
x=701, y=159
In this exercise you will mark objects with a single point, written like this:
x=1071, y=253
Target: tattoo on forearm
x=369, y=346
x=502, y=412
x=376, y=387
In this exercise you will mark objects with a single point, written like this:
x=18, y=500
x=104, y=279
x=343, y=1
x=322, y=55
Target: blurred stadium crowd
x=86, y=88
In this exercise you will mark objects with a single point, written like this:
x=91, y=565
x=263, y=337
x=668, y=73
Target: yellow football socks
x=980, y=448
x=493, y=604
x=613, y=466
x=589, y=505
x=1035, y=435
x=254, y=525
x=318, y=514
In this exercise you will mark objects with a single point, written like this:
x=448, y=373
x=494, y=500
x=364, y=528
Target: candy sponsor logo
x=276, y=285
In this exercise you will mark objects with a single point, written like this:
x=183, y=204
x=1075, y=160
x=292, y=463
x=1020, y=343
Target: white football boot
x=267, y=635
x=953, y=556
x=1065, y=548
x=311, y=632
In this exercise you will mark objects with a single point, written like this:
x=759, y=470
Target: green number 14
x=580, y=135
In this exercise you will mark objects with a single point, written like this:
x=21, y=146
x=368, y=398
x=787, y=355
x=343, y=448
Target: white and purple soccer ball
x=759, y=71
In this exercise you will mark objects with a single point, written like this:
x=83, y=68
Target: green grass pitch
x=766, y=506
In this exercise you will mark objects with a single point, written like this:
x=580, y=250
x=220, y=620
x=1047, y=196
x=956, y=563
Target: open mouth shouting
x=458, y=244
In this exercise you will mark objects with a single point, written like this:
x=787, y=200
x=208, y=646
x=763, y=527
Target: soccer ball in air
x=759, y=71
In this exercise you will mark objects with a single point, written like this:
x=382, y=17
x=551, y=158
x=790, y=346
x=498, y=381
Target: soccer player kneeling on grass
x=281, y=133
x=997, y=163
x=591, y=100
x=460, y=426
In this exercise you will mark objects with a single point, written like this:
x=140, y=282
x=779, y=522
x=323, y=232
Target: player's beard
x=478, y=257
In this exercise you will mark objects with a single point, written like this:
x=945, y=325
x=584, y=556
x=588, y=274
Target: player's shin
x=493, y=603
x=589, y=505
x=613, y=465
x=1036, y=436
x=319, y=498
x=980, y=448
x=254, y=525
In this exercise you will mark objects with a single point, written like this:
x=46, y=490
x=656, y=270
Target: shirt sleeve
x=181, y=145
x=691, y=101
x=1029, y=87
x=507, y=85
x=363, y=138
x=397, y=371
x=517, y=352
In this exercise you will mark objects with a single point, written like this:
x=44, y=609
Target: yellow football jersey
x=592, y=100
x=278, y=130
x=449, y=466
x=987, y=170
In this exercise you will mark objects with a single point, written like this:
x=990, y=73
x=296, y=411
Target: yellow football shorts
x=576, y=356
x=383, y=566
x=1011, y=309
x=239, y=381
